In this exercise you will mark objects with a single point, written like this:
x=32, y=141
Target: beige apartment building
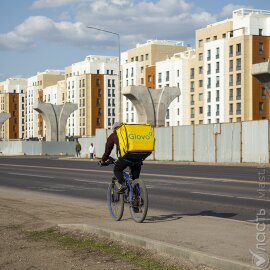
x=221, y=85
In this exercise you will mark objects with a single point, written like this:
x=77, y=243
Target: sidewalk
x=221, y=243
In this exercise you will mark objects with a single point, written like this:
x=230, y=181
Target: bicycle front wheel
x=139, y=202
x=115, y=202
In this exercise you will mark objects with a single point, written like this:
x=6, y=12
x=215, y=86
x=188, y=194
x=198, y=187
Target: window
x=200, y=57
x=192, y=73
x=167, y=76
x=260, y=32
x=215, y=38
x=98, y=71
x=146, y=56
x=200, y=70
x=231, y=51
x=260, y=48
x=238, y=108
x=231, y=109
x=208, y=55
x=238, y=64
x=217, y=53
x=149, y=78
x=208, y=39
x=200, y=83
x=137, y=58
x=231, y=65
x=231, y=94
x=217, y=81
x=238, y=49
x=208, y=68
x=261, y=108
x=191, y=86
x=263, y=93
x=178, y=72
x=132, y=72
x=217, y=95
x=208, y=82
x=217, y=110
x=200, y=43
x=97, y=82
x=208, y=96
x=209, y=110
x=231, y=80
x=126, y=73
x=224, y=35
x=159, y=77
x=238, y=78
x=142, y=57
x=238, y=93
x=217, y=67
x=142, y=68
x=200, y=110
x=178, y=111
x=201, y=97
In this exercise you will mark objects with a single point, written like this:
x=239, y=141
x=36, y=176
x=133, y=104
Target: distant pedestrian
x=78, y=149
x=91, y=151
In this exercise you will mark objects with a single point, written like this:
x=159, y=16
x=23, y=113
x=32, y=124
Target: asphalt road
x=220, y=191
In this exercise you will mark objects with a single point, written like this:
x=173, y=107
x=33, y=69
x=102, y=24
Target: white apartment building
x=16, y=86
x=215, y=68
x=34, y=93
x=80, y=83
x=136, y=64
x=173, y=73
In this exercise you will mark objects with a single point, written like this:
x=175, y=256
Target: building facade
x=12, y=100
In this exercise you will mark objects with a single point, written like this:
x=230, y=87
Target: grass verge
x=115, y=250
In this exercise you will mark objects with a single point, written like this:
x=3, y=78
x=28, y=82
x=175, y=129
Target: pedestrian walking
x=78, y=149
x=91, y=151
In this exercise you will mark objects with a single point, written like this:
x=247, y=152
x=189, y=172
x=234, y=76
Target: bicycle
x=135, y=195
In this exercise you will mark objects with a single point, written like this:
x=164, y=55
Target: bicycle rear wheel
x=115, y=202
x=139, y=202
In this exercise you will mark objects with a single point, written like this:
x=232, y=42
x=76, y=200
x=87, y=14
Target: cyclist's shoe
x=121, y=188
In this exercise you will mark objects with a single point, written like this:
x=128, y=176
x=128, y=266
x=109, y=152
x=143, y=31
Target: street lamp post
x=119, y=95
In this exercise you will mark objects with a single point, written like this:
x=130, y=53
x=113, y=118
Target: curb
x=194, y=256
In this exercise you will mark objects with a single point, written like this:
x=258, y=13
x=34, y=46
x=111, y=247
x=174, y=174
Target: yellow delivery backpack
x=136, y=141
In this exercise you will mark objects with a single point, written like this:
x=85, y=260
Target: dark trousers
x=121, y=164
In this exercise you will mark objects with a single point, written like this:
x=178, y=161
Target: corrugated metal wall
x=163, y=147
x=230, y=135
x=255, y=137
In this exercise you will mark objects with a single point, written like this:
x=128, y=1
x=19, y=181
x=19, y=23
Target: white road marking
x=185, y=177
x=229, y=196
x=35, y=175
x=91, y=181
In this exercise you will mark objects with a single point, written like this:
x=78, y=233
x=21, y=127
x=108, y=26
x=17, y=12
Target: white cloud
x=227, y=10
x=36, y=28
x=135, y=21
x=53, y=3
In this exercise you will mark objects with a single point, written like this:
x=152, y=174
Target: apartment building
x=92, y=84
x=138, y=68
x=173, y=73
x=34, y=93
x=12, y=100
x=221, y=83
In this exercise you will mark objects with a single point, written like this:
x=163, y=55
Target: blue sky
x=51, y=34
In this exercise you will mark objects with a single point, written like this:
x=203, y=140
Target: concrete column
x=3, y=118
x=261, y=72
x=151, y=104
x=55, y=117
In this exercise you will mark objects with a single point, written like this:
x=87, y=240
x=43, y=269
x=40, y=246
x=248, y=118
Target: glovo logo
x=133, y=136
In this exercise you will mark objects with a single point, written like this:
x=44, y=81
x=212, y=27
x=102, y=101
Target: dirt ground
x=18, y=251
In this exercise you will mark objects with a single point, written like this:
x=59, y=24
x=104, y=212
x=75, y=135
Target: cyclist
x=121, y=164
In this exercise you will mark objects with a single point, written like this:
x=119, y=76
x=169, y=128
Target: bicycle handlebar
x=108, y=162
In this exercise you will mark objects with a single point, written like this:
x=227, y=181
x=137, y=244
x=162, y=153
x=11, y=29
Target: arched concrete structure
x=3, y=118
x=151, y=104
x=261, y=72
x=55, y=117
